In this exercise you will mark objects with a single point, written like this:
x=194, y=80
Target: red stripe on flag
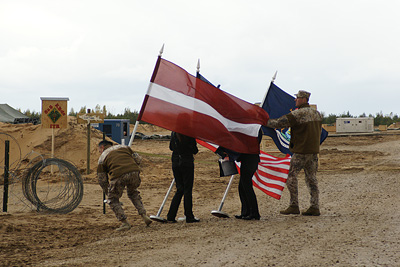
x=210, y=146
x=271, y=175
x=180, y=102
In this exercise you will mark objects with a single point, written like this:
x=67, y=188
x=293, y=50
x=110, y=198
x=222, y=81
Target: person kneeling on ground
x=118, y=167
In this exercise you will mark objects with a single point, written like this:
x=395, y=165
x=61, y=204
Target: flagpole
x=274, y=77
x=272, y=81
x=146, y=97
x=198, y=68
x=151, y=81
x=133, y=133
x=219, y=213
x=157, y=217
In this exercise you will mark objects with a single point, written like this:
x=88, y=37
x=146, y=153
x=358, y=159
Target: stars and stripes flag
x=180, y=102
x=271, y=174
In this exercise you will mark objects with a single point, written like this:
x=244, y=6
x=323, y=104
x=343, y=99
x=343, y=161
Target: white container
x=355, y=125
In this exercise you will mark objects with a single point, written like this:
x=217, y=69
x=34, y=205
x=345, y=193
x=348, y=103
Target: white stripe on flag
x=274, y=173
x=282, y=141
x=280, y=165
x=179, y=99
x=269, y=180
x=270, y=189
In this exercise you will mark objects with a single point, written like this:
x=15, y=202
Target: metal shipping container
x=355, y=125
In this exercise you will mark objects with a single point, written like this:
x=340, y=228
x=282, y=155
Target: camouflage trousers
x=308, y=162
x=116, y=188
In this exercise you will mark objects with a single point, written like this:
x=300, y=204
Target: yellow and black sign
x=54, y=112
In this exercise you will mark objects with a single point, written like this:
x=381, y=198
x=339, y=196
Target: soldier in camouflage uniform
x=306, y=126
x=120, y=165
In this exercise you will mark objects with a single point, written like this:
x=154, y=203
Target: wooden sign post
x=89, y=118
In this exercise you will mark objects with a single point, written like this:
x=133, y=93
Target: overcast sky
x=345, y=52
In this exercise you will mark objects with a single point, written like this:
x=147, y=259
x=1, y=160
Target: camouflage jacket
x=305, y=125
x=114, y=162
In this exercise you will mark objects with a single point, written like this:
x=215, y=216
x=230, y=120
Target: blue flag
x=278, y=103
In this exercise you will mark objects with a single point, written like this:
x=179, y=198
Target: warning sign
x=54, y=112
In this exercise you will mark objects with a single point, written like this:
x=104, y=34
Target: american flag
x=271, y=174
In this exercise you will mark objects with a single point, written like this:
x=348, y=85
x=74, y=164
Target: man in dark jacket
x=248, y=166
x=183, y=148
x=306, y=125
x=118, y=167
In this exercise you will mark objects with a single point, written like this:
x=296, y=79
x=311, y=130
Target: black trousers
x=248, y=166
x=184, y=178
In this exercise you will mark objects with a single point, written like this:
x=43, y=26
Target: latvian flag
x=180, y=102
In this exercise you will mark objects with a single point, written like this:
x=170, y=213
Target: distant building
x=11, y=115
x=355, y=125
x=116, y=129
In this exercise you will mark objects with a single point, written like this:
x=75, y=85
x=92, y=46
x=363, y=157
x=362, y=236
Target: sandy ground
x=359, y=225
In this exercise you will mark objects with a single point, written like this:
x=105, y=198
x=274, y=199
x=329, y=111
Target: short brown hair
x=105, y=143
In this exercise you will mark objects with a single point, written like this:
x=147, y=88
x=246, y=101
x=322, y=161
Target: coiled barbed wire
x=52, y=185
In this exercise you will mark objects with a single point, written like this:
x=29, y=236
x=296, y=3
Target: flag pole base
x=219, y=214
x=158, y=219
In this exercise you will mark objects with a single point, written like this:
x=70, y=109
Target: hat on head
x=303, y=93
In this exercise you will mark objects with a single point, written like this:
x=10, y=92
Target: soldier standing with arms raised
x=306, y=126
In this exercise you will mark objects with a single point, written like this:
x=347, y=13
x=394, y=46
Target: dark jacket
x=305, y=125
x=183, y=148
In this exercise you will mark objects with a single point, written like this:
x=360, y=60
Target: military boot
x=311, y=212
x=146, y=219
x=291, y=210
x=124, y=226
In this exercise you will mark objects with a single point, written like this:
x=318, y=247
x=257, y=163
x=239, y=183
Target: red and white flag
x=271, y=174
x=180, y=102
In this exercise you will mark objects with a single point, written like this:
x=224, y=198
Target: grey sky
x=346, y=53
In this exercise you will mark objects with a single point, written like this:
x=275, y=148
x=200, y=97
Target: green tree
x=331, y=119
x=34, y=116
x=82, y=110
x=346, y=115
x=72, y=112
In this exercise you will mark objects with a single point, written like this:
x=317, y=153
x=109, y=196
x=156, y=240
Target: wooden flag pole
x=52, y=148
x=88, y=146
x=6, y=174
x=52, y=142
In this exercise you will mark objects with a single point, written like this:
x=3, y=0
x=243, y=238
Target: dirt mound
x=69, y=143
